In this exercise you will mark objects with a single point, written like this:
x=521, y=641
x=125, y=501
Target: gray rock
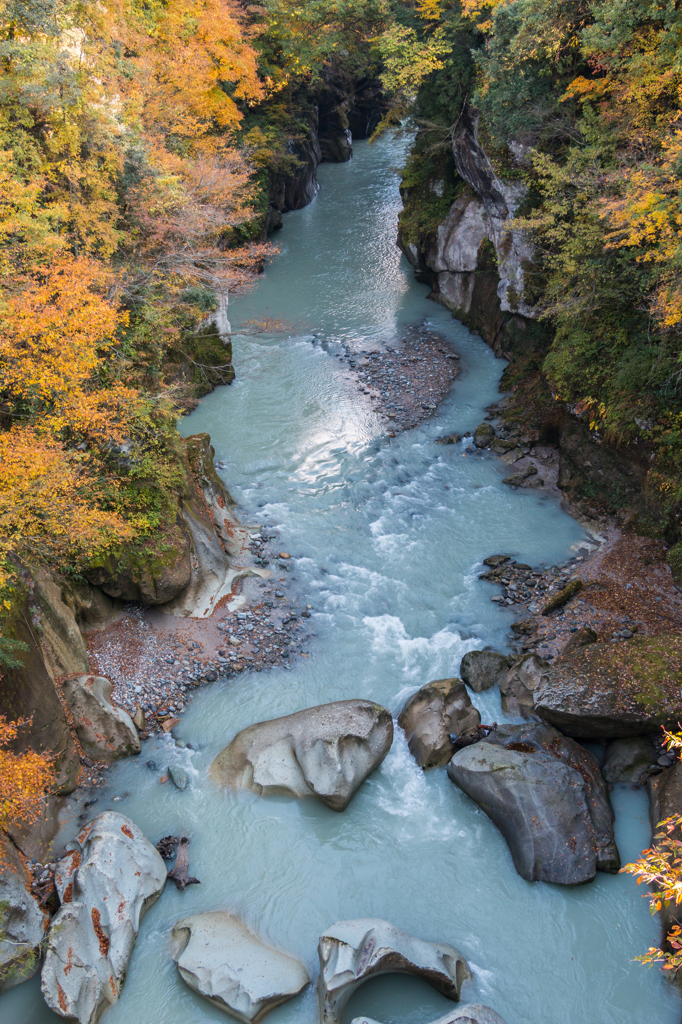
x=500, y=445
x=511, y=456
x=218, y=957
x=22, y=923
x=470, y=1013
x=482, y=669
x=179, y=776
x=612, y=690
x=581, y=638
x=517, y=479
x=431, y=715
x=105, y=886
x=626, y=760
x=352, y=951
x=106, y=733
x=546, y=795
x=326, y=751
x=449, y=439
x=483, y=435
x=518, y=685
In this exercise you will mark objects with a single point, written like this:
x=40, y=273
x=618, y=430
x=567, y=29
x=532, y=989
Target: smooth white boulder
x=105, y=885
x=352, y=951
x=222, y=960
x=325, y=751
x=472, y=1013
x=22, y=922
x=106, y=732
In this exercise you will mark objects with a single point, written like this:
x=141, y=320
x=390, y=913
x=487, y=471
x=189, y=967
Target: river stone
x=325, y=751
x=609, y=690
x=106, y=733
x=431, y=715
x=22, y=923
x=483, y=435
x=517, y=479
x=105, y=886
x=547, y=797
x=470, y=1013
x=518, y=684
x=626, y=760
x=482, y=669
x=218, y=957
x=352, y=951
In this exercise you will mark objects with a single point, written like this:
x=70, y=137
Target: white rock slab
x=472, y=1013
x=105, y=885
x=352, y=951
x=222, y=960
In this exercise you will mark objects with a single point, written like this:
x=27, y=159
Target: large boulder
x=105, y=885
x=470, y=1013
x=483, y=435
x=611, y=690
x=325, y=751
x=152, y=571
x=546, y=795
x=106, y=733
x=482, y=669
x=519, y=683
x=351, y=952
x=22, y=922
x=431, y=715
x=627, y=760
x=218, y=957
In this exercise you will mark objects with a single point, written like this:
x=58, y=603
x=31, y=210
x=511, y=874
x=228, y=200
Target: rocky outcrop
x=547, y=796
x=351, y=952
x=61, y=640
x=482, y=669
x=431, y=715
x=106, y=733
x=152, y=573
x=326, y=751
x=105, y=886
x=609, y=690
x=22, y=922
x=520, y=682
x=471, y=1013
x=218, y=957
x=627, y=761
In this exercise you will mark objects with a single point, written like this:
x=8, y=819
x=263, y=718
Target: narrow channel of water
x=387, y=538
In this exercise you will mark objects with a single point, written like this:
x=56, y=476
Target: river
x=386, y=537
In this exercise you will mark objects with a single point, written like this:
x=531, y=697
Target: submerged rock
x=22, y=922
x=471, y=1013
x=325, y=751
x=546, y=795
x=609, y=690
x=431, y=715
x=105, y=886
x=218, y=957
x=482, y=669
x=352, y=951
x=627, y=760
x=106, y=733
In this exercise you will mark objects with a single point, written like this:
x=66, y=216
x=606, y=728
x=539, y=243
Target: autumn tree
x=25, y=778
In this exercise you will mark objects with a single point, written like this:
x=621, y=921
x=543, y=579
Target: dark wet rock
x=482, y=669
x=517, y=479
x=581, y=638
x=547, y=796
x=627, y=760
x=449, y=439
x=326, y=751
x=22, y=921
x=483, y=435
x=166, y=846
x=518, y=685
x=563, y=597
x=223, y=961
x=609, y=691
x=351, y=952
x=496, y=560
x=500, y=445
x=431, y=715
x=106, y=733
x=105, y=885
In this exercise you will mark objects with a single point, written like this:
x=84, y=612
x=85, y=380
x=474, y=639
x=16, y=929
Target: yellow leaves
x=25, y=778
x=480, y=11
x=53, y=332
x=583, y=89
x=429, y=10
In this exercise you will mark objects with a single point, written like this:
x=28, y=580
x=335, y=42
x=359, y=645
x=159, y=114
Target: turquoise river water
x=387, y=538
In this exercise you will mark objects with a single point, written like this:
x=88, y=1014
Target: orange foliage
x=24, y=778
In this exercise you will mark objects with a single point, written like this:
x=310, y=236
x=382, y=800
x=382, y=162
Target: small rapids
x=387, y=537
